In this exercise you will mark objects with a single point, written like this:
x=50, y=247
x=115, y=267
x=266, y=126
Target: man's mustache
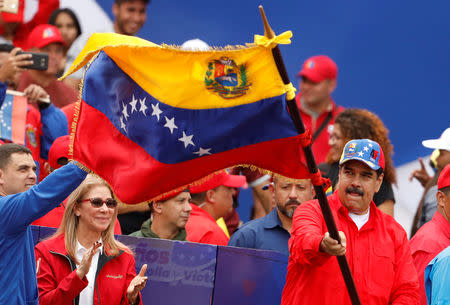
x=292, y=201
x=355, y=190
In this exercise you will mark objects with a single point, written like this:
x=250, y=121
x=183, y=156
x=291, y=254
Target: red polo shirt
x=320, y=146
x=202, y=228
x=378, y=254
x=429, y=241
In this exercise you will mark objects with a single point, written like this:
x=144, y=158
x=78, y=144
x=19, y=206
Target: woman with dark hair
x=82, y=262
x=67, y=23
x=356, y=123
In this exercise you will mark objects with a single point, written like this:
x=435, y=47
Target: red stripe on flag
x=19, y=116
x=136, y=176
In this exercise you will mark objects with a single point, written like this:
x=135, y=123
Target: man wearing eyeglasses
x=22, y=202
x=170, y=214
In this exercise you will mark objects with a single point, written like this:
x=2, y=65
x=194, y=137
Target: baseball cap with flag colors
x=221, y=178
x=364, y=150
x=43, y=35
x=444, y=178
x=319, y=68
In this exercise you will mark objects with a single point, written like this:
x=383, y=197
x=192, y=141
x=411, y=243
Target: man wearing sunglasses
x=170, y=214
x=22, y=202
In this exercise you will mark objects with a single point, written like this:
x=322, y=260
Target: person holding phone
x=44, y=122
x=46, y=39
x=82, y=261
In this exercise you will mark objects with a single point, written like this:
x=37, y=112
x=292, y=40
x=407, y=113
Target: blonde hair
x=69, y=222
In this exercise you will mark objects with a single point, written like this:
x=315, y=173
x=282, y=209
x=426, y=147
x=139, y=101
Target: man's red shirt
x=378, y=254
x=320, y=145
x=202, y=228
x=60, y=93
x=429, y=241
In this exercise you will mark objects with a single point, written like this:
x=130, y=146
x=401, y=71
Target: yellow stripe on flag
x=177, y=77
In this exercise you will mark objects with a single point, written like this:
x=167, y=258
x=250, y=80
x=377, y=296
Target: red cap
x=444, y=178
x=319, y=68
x=10, y=17
x=222, y=178
x=43, y=35
x=170, y=195
x=59, y=149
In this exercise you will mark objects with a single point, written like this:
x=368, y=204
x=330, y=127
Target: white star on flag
x=366, y=148
x=170, y=124
x=124, y=111
x=156, y=111
x=202, y=152
x=360, y=154
x=187, y=140
x=133, y=104
x=122, y=124
x=370, y=145
x=143, y=106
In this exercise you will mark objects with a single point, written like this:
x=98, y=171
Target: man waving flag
x=174, y=116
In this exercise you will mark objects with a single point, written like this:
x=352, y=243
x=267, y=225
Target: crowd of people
x=351, y=146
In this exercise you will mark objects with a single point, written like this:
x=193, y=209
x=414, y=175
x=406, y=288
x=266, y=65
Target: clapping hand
x=136, y=285
x=85, y=264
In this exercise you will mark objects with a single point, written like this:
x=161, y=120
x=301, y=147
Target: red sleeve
x=421, y=260
x=405, y=290
x=307, y=232
x=45, y=9
x=51, y=292
x=117, y=229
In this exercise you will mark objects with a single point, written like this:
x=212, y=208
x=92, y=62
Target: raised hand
x=136, y=285
x=420, y=174
x=13, y=64
x=331, y=246
x=85, y=264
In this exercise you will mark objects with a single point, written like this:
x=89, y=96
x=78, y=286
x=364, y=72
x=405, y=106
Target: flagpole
x=312, y=166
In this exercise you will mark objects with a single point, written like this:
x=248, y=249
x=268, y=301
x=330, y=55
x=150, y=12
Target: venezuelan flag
x=156, y=118
x=13, y=113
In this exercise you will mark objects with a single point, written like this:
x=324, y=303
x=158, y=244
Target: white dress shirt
x=87, y=294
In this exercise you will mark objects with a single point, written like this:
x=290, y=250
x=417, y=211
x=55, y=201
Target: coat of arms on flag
x=226, y=78
x=147, y=123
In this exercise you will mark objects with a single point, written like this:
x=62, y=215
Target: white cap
x=442, y=143
x=195, y=45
